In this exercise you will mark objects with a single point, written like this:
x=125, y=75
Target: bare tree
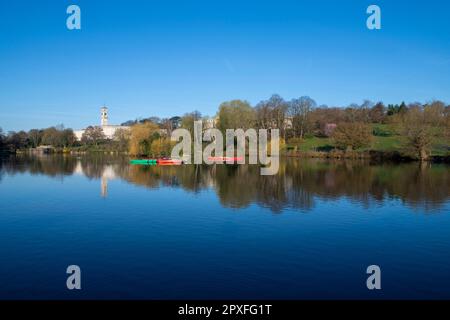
x=421, y=126
x=167, y=125
x=35, y=137
x=187, y=121
x=377, y=113
x=92, y=136
x=271, y=114
x=122, y=137
x=299, y=111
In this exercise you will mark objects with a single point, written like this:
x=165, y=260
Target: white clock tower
x=104, y=116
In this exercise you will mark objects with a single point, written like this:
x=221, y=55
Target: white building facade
x=108, y=129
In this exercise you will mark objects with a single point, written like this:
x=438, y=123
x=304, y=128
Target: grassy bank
x=385, y=145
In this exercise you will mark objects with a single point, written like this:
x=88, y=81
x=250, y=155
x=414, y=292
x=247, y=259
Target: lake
x=222, y=232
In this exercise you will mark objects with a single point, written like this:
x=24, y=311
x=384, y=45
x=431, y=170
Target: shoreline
x=371, y=155
x=394, y=156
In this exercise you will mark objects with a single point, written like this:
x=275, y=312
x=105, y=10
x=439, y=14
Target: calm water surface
x=221, y=231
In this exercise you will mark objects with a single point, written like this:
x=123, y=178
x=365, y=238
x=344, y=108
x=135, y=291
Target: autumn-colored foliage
x=141, y=138
x=352, y=135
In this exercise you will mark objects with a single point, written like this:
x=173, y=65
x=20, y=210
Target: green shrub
x=295, y=141
x=381, y=131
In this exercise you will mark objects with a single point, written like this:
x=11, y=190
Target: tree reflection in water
x=299, y=182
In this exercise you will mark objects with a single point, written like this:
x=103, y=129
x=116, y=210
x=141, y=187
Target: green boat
x=143, y=161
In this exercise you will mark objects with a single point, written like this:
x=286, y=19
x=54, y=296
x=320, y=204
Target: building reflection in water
x=106, y=173
x=298, y=184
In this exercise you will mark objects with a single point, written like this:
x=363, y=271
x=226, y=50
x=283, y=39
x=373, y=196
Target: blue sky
x=165, y=58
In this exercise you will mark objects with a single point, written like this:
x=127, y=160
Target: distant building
x=108, y=129
x=43, y=149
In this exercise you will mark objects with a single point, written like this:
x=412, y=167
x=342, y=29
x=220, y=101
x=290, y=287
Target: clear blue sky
x=165, y=58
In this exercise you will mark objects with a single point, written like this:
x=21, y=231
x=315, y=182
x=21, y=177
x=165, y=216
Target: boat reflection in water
x=223, y=231
x=299, y=182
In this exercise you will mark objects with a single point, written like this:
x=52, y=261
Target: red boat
x=168, y=162
x=225, y=159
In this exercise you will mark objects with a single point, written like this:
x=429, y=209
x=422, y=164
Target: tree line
x=56, y=136
x=299, y=184
x=351, y=127
x=63, y=138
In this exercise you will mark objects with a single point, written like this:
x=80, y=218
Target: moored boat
x=160, y=161
x=168, y=161
x=225, y=159
x=144, y=161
